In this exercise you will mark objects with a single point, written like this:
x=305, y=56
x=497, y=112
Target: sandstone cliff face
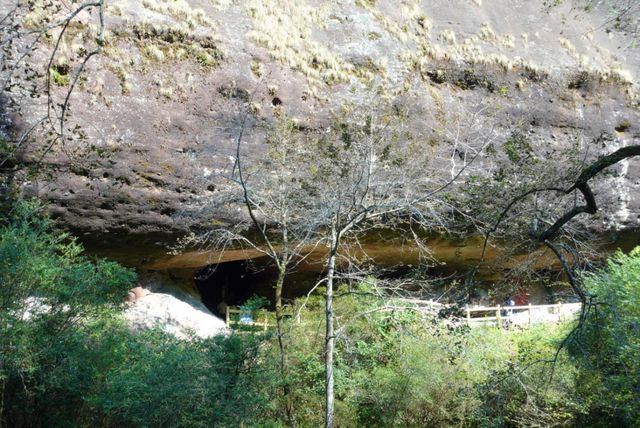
x=158, y=110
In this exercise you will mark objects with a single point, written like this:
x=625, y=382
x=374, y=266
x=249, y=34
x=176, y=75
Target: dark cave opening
x=232, y=283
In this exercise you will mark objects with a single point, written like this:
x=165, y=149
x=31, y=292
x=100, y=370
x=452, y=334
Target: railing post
x=559, y=311
x=227, y=318
x=498, y=318
x=468, y=314
x=529, y=313
x=265, y=320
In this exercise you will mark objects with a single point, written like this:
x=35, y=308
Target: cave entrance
x=232, y=283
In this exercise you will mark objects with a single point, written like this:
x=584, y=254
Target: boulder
x=174, y=316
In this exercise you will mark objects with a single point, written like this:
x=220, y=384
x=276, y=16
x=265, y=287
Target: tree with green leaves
x=68, y=358
x=48, y=290
x=607, y=346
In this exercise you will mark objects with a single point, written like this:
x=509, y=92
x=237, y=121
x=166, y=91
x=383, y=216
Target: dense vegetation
x=68, y=359
x=417, y=130
x=607, y=348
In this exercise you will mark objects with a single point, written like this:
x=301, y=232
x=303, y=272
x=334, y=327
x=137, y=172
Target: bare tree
x=369, y=173
x=30, y=32
x=553, y=227
x=621, y=15
x=271, y=188
x=321, y=190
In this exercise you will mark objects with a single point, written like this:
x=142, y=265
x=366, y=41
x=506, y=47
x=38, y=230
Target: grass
x=153, y=52
x=59, y=75
x=284, y=29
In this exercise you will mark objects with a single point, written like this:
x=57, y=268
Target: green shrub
x=168, y=382
x=607, y=348
x=48, y=292
x=531, y=387
x=396, y=368
x=74, y=362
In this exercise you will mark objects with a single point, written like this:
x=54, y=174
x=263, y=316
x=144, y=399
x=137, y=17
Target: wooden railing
x=505, y=316
x=429, y=304
x=261, y=322
x=499, y=316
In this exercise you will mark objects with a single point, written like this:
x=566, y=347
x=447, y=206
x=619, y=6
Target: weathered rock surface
x=159, y=109
x=174, y=316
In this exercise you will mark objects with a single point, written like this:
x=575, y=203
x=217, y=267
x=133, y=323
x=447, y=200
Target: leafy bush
x=49, y=290
x=532, y=386
x=163, y=381
x=607, y=348
x=67, y=357
x=398, y=368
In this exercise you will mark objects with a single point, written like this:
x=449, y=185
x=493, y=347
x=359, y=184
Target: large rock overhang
x=160, y=107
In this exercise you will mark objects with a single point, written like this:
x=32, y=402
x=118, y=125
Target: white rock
x=174, y=316
x=36, y=306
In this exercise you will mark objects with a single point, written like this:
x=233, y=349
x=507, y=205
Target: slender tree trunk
x=2, y=404
x=329, y=336
x=284, y=360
